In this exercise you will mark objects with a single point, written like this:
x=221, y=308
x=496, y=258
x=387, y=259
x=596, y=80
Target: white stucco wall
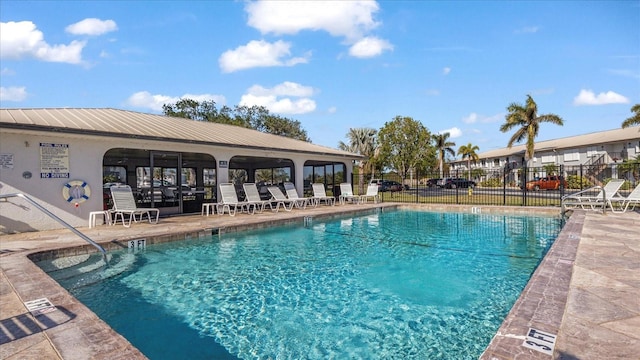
x=85, y=163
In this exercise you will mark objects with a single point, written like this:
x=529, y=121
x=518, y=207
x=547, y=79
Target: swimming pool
x=396, y=284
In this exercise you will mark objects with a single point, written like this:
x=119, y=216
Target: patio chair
x=320, y=194
x=623, y=203
x=253, y=197
x=125, y=204
x=292, y=194
x=280, y=199
x=599, y=201
x=372, y=193
x=230, y=200
x=346, y=194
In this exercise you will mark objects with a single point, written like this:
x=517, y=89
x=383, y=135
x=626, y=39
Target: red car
x=553, y=182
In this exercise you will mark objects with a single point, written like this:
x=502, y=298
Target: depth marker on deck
x=540, y=341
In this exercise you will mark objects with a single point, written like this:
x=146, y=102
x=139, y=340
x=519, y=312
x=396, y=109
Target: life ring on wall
x=76, y=191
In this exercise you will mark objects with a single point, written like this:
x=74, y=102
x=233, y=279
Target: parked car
x=433, y=182
x=389, y=185
x=452, y=183
x=553, y=182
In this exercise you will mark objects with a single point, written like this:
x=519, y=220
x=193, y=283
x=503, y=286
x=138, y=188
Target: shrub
x=494, y=182
x=578, y=182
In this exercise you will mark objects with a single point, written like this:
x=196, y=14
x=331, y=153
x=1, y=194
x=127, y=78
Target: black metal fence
x=513, y=186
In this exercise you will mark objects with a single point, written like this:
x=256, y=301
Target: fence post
x=417, y=184
x=525, y=176
x=563, y=180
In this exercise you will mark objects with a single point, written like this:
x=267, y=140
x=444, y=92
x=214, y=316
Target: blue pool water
x=392, y=285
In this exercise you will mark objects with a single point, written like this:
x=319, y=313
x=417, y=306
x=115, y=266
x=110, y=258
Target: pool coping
x=91, y=337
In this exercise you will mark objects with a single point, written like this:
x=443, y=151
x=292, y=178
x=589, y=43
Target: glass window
x=238, y=176
x=209, y=182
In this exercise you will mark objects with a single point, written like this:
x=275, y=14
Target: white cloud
x=454, y=132
x=527, y=30
x=626, y=73
x=279, y=98
x=332, y=110
x=473, y=118
x=7, y=72
x=92, y=26
x=144, y=99
x=470, y=119
x=446, y=71
x=22, y=39
x=588, y=97
x=369, y=47
x=13, y=93
x=287, y=88
x=349, y=19
x=433, y=92
x=259, y=54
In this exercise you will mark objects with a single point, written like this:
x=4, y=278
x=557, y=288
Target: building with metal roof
x=173, y=164
x=588, y=150
x=611, y=145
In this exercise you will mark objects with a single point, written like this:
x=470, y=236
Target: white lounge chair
x=280, y=199
x=253, y=197
x=346, y=194
x=292, y=194
x=599, y=201
x=372, y=193
x=230, y=201
x=623, y=203
x=320, y=195
x=125, y=204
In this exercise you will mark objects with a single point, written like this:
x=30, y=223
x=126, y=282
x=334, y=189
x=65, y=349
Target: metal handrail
x=54, y=217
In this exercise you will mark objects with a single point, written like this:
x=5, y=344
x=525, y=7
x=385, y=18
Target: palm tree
x=635, y=119
x=362, y=141
x=527, y=119
x=444, y=147
x=469, y=152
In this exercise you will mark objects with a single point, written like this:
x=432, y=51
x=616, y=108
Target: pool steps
x=82, y=270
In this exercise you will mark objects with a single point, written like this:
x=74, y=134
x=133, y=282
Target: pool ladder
x=54, y=217
x=308, y=221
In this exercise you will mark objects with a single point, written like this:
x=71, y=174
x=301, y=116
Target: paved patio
x=585, y=291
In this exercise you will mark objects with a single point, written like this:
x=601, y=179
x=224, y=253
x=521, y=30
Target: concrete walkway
x=587, y=288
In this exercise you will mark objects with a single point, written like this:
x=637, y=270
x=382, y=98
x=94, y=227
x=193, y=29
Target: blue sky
x=332, y=65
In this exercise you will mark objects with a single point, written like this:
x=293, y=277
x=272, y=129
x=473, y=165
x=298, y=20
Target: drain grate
x=40, y=306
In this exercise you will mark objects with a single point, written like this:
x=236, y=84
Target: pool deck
x=585, y=291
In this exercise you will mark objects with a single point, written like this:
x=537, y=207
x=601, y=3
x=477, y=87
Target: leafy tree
x=404, y=145
x=526, y=119
x=631, y=166
x=550, y=169
x=284, y=127
x=253, y=117
x=444, y=147
x=469, y=152
x=635, y=119
x=192, y=109
x=362, y=141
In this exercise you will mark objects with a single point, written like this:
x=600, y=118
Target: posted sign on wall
x=54, y=161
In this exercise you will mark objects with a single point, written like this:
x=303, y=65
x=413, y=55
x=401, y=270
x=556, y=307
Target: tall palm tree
x=444, y=147
x=469, y=152
x=362, y=141
x=635, y=119
x=527, y=119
